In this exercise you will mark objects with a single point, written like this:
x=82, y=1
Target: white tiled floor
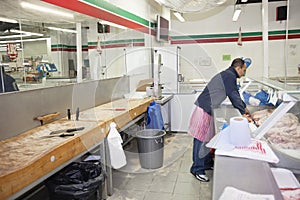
x=172, y=182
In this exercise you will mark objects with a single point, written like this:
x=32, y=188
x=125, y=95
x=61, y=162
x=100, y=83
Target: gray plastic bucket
x=151, y=148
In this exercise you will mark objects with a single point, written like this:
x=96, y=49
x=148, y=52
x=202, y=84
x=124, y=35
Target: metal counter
x=244, y=174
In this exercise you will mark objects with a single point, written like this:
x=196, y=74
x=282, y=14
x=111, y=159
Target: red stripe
x=211, y=40
x=86, y=9
x=249, y=39
x=215, y=40
x=244, y=39
x=139, y=44
x=294, y=36
x=289, y=188
x=276, y=37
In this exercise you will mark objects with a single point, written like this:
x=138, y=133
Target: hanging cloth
x=154, y=120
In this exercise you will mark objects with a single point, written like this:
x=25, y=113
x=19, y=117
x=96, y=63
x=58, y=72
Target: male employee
x=201, y=126
x=7, y=83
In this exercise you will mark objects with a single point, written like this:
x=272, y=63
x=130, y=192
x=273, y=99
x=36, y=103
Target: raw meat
x=285, y=133
x=262, y=113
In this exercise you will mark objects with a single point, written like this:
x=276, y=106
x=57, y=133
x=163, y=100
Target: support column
x=265, y=24
x=79, y=52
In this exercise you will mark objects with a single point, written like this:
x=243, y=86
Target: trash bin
x=79, y=180
x=151, y=148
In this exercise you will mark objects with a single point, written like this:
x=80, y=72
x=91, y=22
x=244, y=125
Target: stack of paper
x=235, y=194
x=257, y=150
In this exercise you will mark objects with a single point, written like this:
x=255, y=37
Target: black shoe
x=210, y=168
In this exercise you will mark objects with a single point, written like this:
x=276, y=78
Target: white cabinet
x=182, y=107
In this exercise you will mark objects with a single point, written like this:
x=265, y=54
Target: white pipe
x=79, y=52
x=22, y=53
x=286, y=42
x=265, y=38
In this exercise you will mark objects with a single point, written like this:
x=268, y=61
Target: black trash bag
x=80, y=180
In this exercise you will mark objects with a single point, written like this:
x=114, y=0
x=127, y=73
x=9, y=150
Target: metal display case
x=248, y=175
x=282, y=128
x=252, y=171
x=284, y=135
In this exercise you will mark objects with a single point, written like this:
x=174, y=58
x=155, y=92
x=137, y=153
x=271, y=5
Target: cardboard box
x=141, y=87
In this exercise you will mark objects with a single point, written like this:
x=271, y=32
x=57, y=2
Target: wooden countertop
x=30, y=155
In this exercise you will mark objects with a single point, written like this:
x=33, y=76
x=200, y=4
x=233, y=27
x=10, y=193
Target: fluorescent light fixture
x=236, y=14
x=62, y=29
x=244, y=1
x=42, y=9
x=220, y=2
x=13, y=36
x=8, y=20
x=21, y=34
x=179, y=16
x=27, y=40
x=25, y=32
x=161, y=2
x=113, y=24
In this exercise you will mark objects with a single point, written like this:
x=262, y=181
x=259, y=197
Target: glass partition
x=39, y=53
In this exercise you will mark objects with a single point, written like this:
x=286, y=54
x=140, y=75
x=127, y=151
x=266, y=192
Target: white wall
x=218, y=21
x=141, y=8
x=221, y=21
x=35, y=48
x=250, y=21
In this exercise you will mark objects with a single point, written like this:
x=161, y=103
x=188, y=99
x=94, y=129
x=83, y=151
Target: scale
x=157, y=87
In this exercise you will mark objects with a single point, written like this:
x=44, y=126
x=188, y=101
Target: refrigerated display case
x=281, y=129
x=285, y=143
x=284, y=137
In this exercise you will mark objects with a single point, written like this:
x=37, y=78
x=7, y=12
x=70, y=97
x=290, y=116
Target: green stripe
x=277, y=32
x=63, y=46
x=294, y=31
x=66, y=46
x=116, y=42
x=116, y=10
x=229, y=35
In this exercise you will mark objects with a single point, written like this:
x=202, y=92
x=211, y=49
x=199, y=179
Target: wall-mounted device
x=281, y=13
x=162, y=29
x=103, y=28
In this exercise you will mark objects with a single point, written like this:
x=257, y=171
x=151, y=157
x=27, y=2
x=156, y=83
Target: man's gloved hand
x=273, y=98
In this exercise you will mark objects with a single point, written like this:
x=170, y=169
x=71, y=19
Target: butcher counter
x=31, y=157
x=248, y=175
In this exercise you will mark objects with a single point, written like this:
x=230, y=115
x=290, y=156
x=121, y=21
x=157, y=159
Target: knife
x=61, y=135
x=114, y=109
x=70, y=130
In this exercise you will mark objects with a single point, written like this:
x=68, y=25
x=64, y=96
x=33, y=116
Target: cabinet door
x=182, y=106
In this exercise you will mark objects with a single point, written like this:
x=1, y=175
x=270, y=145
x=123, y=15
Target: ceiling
x=13, y=9
x=187, y=6
x=254, y=1
x=191, y=6
x=32, y=20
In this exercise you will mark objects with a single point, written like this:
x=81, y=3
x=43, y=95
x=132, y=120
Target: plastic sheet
x=79, y=180
x=154, y=120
